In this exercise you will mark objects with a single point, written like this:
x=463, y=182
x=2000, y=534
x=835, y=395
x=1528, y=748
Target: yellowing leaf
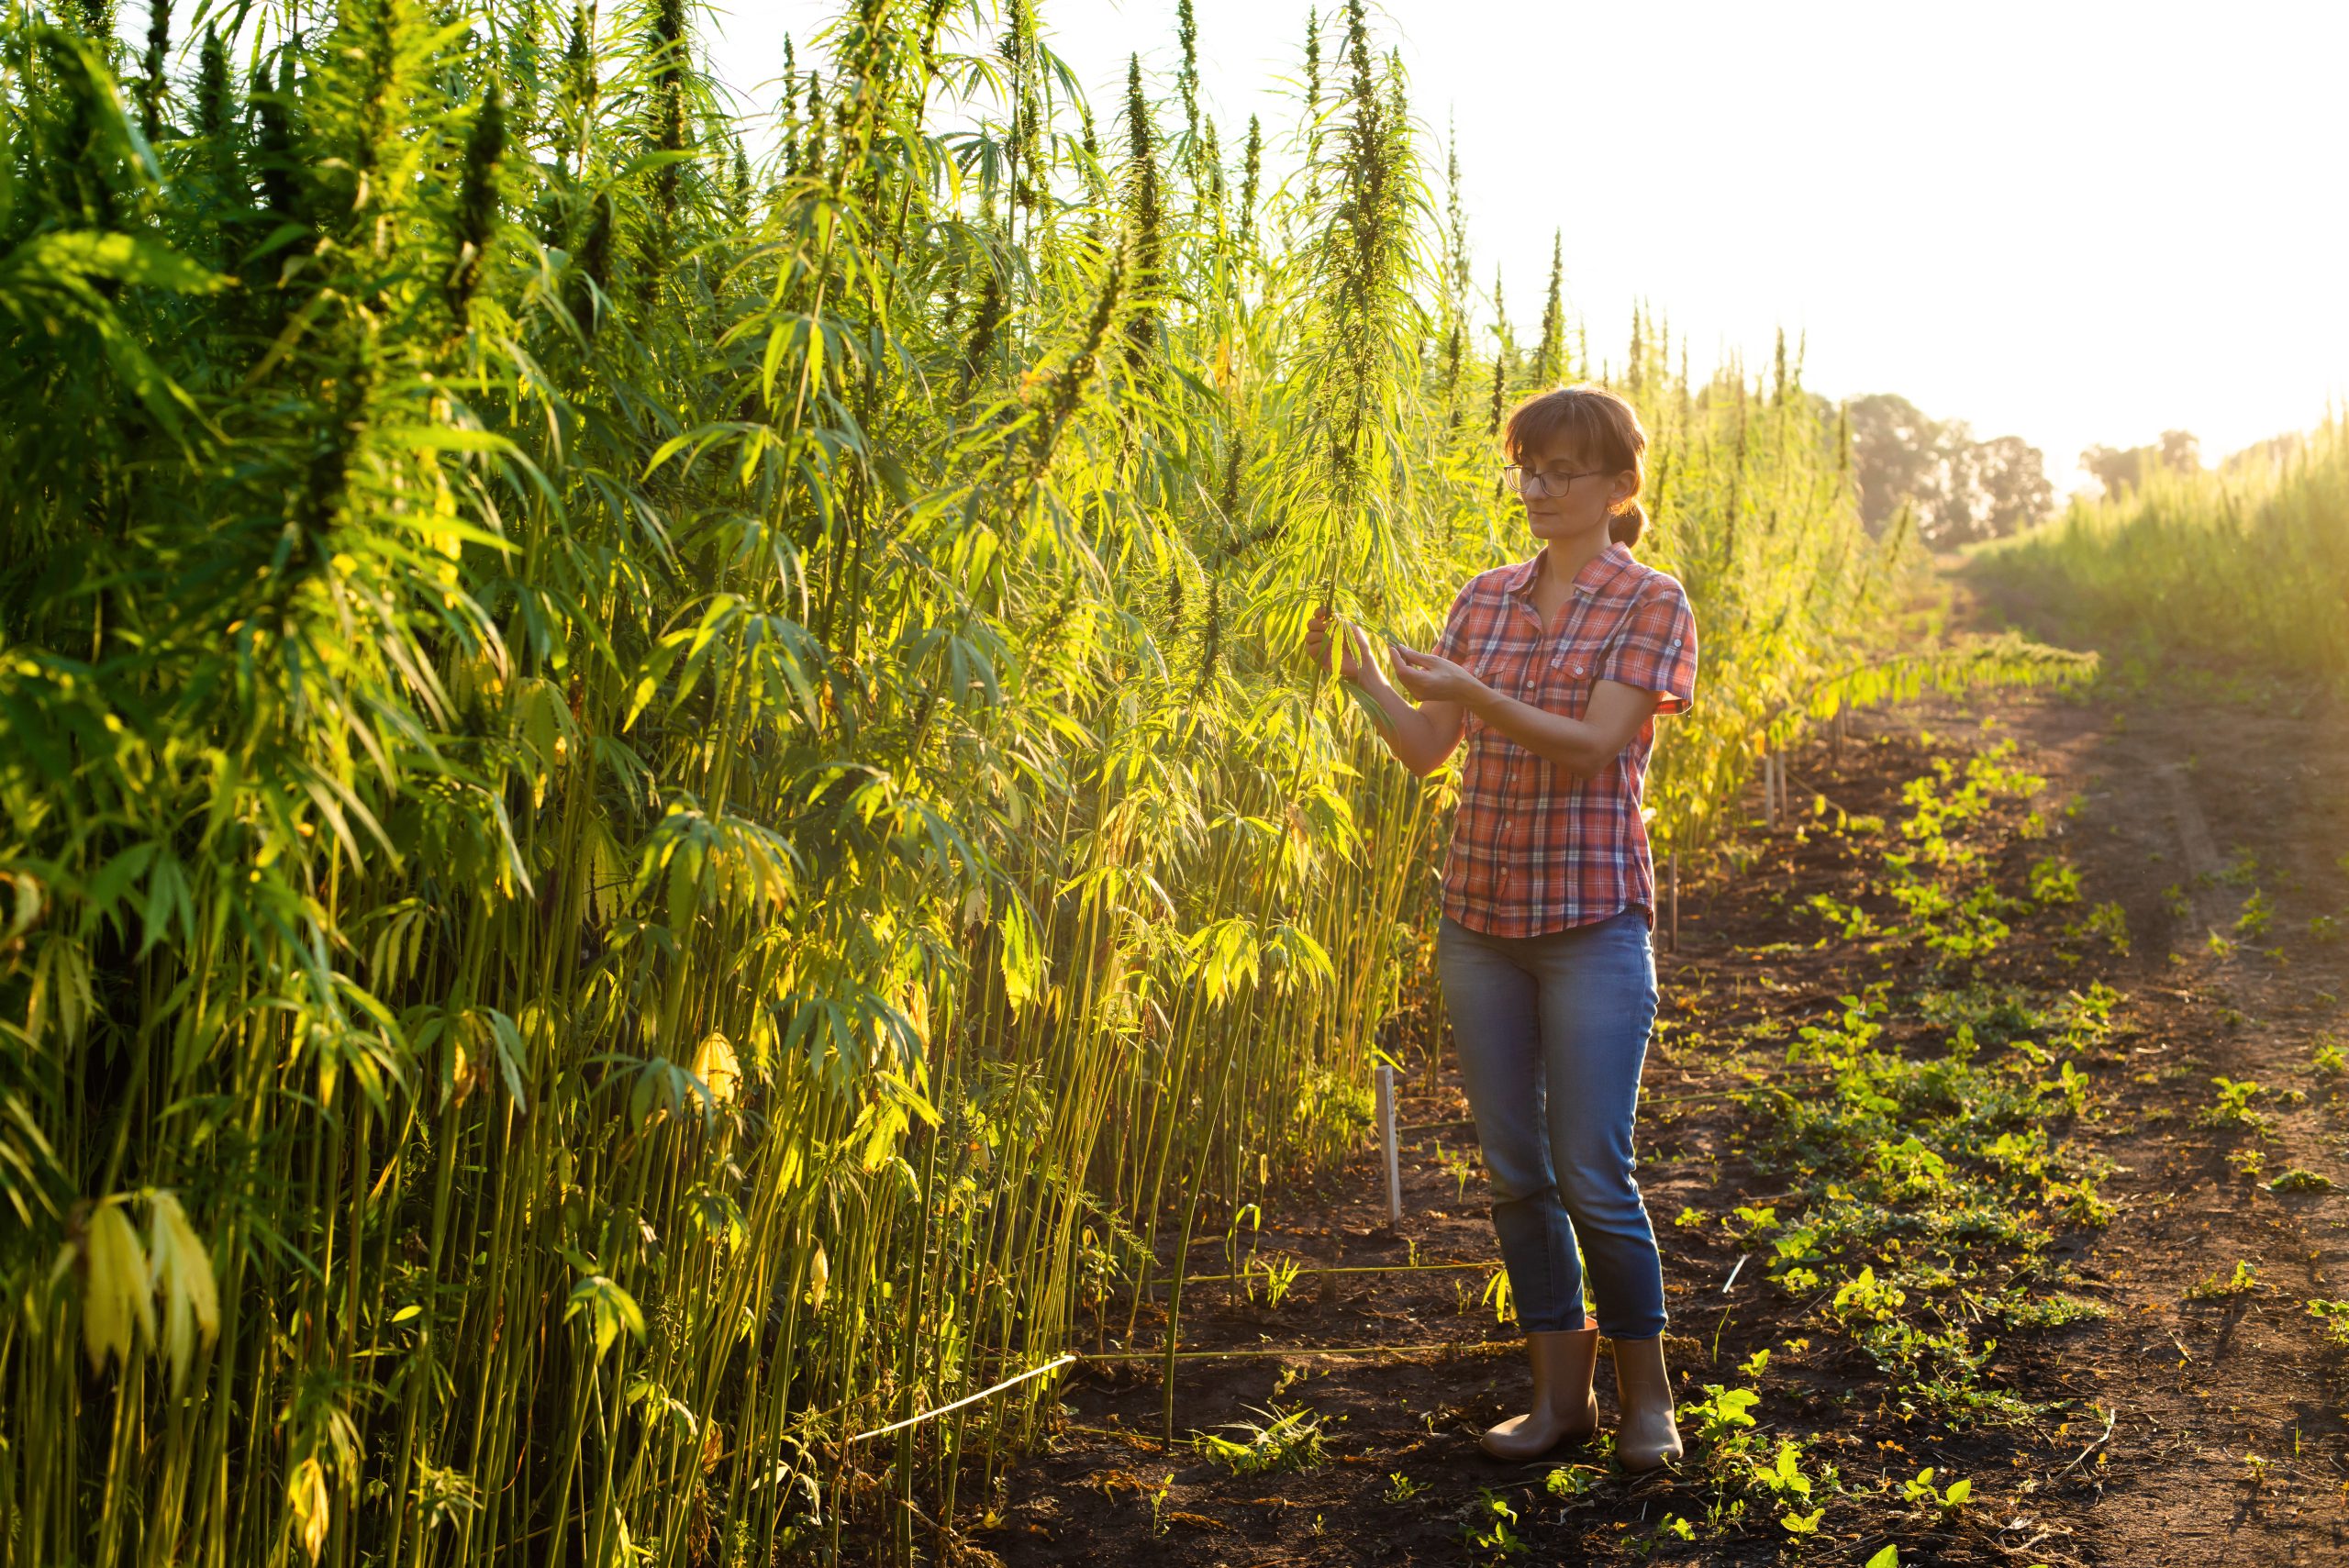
x=180, y=1269
x=116, y=1293
x=305, y=1494
x=717, y=1066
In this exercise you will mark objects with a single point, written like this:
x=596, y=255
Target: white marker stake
x=1676, y=902
x=1387, y=1138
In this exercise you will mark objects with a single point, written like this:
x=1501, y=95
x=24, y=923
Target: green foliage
x=2055, y=882
x=2245, y=561
x=2258, y=912
x=2242, y=1282
x=1939, y=884
x=601, y=735
x=1722, y=1414
x=2233, y=1105
x=1490, y=1533
x=1571, y=1482
x=2334, y=1318
x=1949, y=1500
x=1925, y=1181
x=1281, y=1441
x=1278, y=1276
x=2108, y=921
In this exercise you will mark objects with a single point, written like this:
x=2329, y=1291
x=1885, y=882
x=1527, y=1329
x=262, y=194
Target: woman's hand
x=1354, y=652
x=1430, y=678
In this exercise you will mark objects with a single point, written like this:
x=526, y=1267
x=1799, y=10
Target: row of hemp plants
x=659, y=808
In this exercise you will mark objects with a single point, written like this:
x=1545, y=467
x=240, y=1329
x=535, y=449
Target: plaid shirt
x=1534, y=847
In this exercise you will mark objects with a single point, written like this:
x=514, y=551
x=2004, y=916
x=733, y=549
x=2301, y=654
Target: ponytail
x=1624, y=527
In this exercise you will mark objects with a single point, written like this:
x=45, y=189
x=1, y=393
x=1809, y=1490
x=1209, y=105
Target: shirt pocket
x=1507, y=671
x=1571, y=670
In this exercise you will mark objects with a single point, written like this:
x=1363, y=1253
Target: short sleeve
x=1656, y=650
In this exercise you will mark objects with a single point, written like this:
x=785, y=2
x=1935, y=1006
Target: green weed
x=1158, y=1524
x=2108, y=921
x=1721, y=1415
x=2242, y=1282
x=2258, y=913
x=1949, y=1500
x=2234, y=1106
x=1571, y=1482
x=2055, y=882
x=1491, y=1533
x=1461, y=1166
x=1280, y=1441
x=1279, y=1277
x=2335, y=1315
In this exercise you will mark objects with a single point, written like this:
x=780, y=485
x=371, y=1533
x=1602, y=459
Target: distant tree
x=1896, y=453
x=2114, y=468
x=1960, y=489
x=2275, y=450
x=1998, y=487
x=2125, y=468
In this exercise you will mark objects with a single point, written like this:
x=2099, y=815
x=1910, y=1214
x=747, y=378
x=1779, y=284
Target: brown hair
x=1598, y=427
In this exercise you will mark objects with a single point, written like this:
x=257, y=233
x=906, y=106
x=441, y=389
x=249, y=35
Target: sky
x=2079, y=223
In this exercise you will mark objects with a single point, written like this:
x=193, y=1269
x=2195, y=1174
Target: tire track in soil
x=2214, y=786
x=2176, y=777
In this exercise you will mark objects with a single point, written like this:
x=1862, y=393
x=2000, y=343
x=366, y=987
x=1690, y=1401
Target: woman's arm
x=1581, y=746
x=1421, y=736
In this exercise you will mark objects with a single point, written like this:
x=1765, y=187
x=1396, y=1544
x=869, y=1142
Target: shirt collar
x=1596, y=573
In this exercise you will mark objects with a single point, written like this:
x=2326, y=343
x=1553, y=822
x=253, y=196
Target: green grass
x=2244, y=564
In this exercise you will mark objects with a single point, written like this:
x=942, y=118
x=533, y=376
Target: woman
x=1554, y=669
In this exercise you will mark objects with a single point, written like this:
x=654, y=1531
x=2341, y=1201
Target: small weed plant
x=2242, y=1282
x=1278, y=1440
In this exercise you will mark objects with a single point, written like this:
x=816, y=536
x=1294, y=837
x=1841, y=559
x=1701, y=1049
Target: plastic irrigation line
x=1336, y=1269
x=966, y=1399
x=1445, y=1348
x=1457, y=1347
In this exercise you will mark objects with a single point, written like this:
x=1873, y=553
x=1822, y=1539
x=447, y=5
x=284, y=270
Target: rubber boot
x=1646, y=1436
x=1564, y=1406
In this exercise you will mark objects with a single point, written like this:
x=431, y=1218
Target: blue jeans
x=1552, y=1031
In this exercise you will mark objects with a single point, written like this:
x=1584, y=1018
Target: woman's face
x=1574, y=506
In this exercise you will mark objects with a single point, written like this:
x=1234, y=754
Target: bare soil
x=2184, y=1426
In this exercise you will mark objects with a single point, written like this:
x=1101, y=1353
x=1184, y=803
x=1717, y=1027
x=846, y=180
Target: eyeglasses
x=1540, y=486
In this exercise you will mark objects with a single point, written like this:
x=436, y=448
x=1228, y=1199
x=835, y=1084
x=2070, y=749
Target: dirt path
x=2086, y=1288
